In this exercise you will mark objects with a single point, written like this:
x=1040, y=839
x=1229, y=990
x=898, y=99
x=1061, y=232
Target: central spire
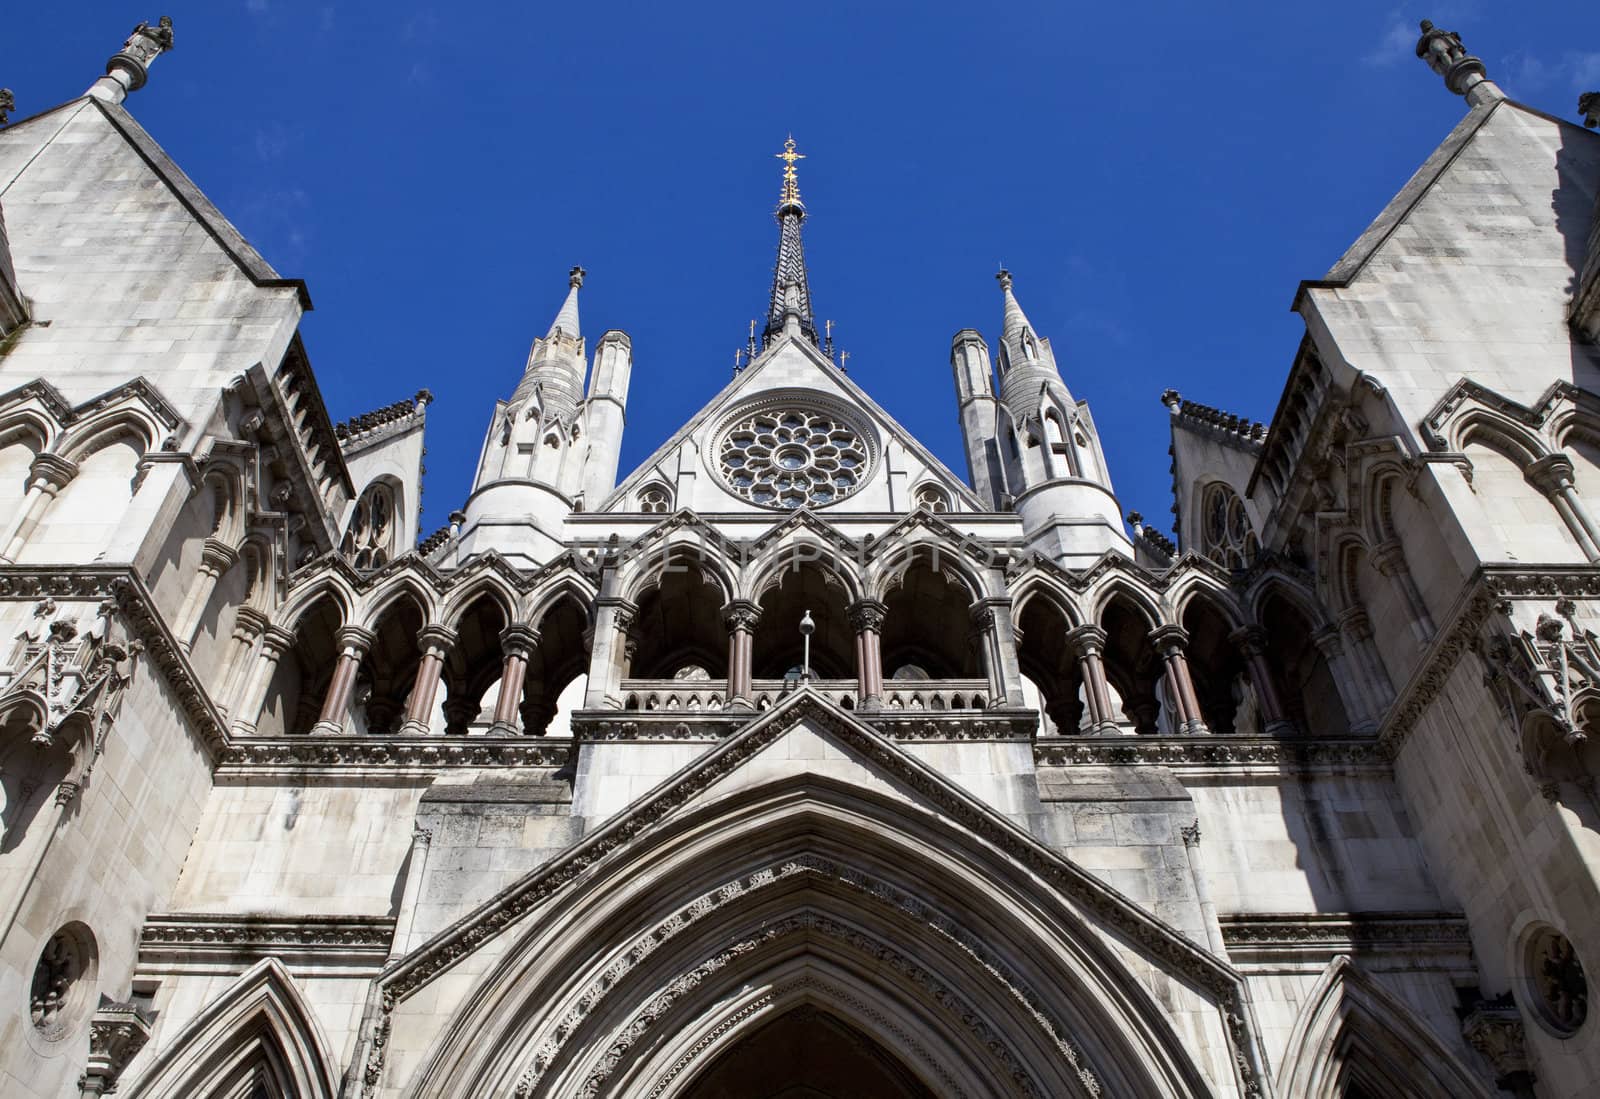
x=791, y=290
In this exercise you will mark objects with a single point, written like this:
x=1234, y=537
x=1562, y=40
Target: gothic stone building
x=561, y=801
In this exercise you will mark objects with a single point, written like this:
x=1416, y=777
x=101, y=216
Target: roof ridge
x=1251, y=434
x=360, y=424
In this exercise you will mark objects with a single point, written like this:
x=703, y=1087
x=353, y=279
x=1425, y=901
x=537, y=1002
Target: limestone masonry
x=793, y=763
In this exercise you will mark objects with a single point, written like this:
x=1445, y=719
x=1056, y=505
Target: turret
x=1055, y=470
x=605, y=414
x=979, y=415
x=531, y=466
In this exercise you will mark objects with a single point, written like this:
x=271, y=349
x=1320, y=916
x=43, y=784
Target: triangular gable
x=673, y=795
x=259, y=1031
x=755, y=380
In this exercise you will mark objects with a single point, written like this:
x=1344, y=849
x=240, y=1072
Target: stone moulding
x=1490, y=587
x=405, y=976
x=339, y=755
x=185, y=937
x=133, y=601
x=1316, y=938
x=635, y=725
x=1195, y=753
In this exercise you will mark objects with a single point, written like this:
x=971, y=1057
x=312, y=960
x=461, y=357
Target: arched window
x=1225, y=532
x=932, y=498
x=655, y=500
x=369, y=540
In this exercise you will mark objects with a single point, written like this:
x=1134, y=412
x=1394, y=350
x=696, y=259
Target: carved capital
x=741, y=614
x=1251, y=640
x=1494, y=1028
x=354, y=640
x=1329, y=642
x=1355, y=623
x=1551, y=474
x=117, y=1033
x=519, y=640
x=275, y=641
x=1086, y=641
x=1169, y=639
x=436, y=640
x=867, y=614
x=249, y=622
x=217, y=557
x=51, y=471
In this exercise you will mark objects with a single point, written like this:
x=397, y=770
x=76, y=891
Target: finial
x=1463, y=74
x=1005, y=278
x=791, y=182
x=844, y=361
x=129, y=68
x=827, y=343
x=1588, y=106
x=8, y=103
x=575, y=277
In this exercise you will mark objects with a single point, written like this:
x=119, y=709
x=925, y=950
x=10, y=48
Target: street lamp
x=807, y=628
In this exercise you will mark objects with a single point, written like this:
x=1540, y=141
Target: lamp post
x=807, y=628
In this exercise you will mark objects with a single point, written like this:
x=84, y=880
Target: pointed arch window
x=932, y=498
x=1225, y=532
x=655, y=499
x=369, y=540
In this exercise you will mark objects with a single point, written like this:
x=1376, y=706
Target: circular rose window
x=793, y=458
x=1561, y=991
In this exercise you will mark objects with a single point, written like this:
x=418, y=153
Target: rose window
x=788, y=458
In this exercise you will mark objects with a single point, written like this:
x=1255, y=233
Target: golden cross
x=791, y=182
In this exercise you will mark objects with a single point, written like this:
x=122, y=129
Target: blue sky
x=1158, y=179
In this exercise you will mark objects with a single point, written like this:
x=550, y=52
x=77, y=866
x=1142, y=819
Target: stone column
x=1372, y=675
x=866, y=618
x=1202, y=889
x=610, y=657
x=353, y=642
x=741, y=617
x=216, y=558
x=1252, y=641
x=248, y=624
x=517, y=642
x=275, y=641
x=1171, y=641
x=47, y=476
x=1331, y=646
x=1088, y=644
x=406, y=917
x=1552, y=475
x=998, y=637
x=436, y=643
x=1390, y=560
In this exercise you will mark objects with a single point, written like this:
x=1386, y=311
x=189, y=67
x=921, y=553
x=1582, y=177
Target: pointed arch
x=309, y=593
x=259, y=1031
x=1353, y=1031
x=802, y=551
x=566, y=586
x=86, y=438
x=809, y=876
x=889, y=570
x=1118, y=587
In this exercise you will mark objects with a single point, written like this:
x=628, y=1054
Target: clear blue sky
x=1158, y=177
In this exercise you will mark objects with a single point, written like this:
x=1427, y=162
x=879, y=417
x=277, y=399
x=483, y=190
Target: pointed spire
x=1017, y=337
x=791, y=289
x=566, y=321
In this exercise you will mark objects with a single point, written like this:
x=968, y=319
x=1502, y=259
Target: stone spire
x=791, y=289
x=129, y=67
x=1016, y=333
x=1462, y=73
x=567, y=320
x=553, y=378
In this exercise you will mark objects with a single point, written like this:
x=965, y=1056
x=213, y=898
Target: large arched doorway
x=807, y=1053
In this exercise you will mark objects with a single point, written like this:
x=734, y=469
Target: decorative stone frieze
x=1314, y=939
x=185, y=939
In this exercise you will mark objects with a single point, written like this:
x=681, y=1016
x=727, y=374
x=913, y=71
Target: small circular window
x=1555, y=975
x=61, y=980
x=793, y=457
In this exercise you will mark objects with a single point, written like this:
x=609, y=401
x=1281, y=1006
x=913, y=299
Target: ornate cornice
x=600, y=726
x=1203, y=752
x=334, y=756
x=88, y=584
x=186, y=937
x=1315, y=938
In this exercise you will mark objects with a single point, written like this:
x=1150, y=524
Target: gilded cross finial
x=791, y=181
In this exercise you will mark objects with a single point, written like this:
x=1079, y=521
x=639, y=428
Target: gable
x=111, y=242
x=792, y=375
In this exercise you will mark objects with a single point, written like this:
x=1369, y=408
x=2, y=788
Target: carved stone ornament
x=1589, y=108
x=1445, y=55
x=117, y=1033
x=1494, y=1028
x=8, y=103
x=143, y=46
x=1538, y=678
x=61, y=676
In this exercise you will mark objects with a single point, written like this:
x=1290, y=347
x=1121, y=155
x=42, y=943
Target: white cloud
x=256, y=7
x=1398, y=42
